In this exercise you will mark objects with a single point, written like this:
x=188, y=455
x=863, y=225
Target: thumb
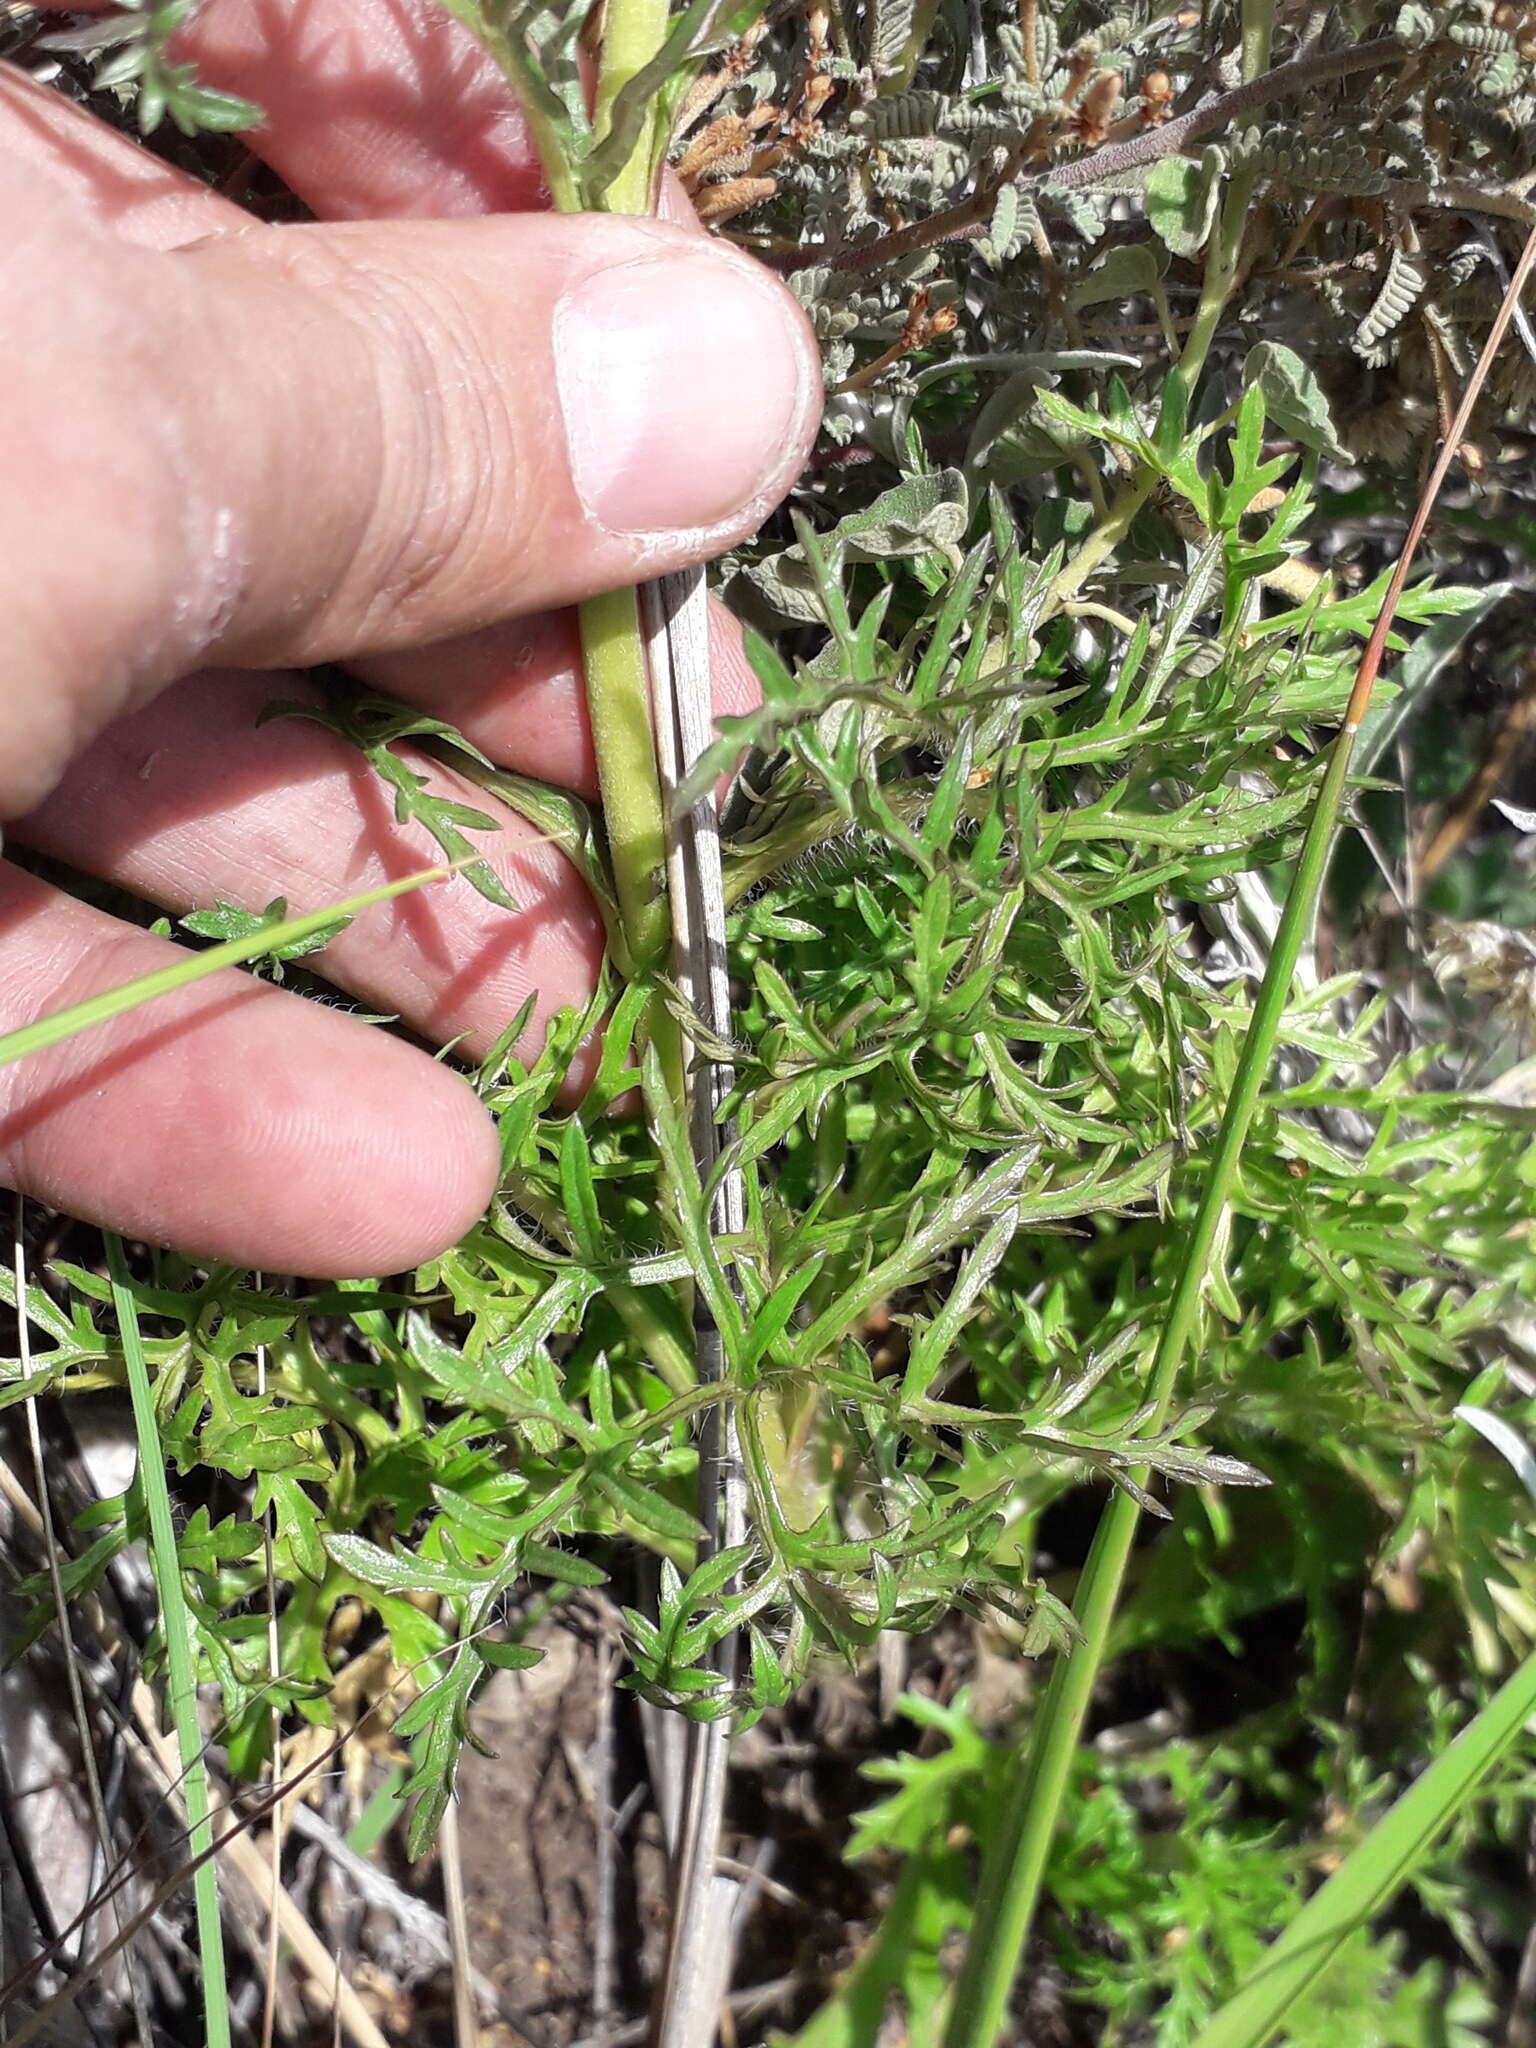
x=303, y=444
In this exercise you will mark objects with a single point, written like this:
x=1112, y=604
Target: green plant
x=1163, y=1885
x=1050, y=683
x=130, y=46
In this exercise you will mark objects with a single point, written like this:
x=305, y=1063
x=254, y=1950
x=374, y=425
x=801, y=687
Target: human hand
x=233, y=448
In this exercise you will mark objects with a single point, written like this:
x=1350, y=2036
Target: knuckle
x=438, y=439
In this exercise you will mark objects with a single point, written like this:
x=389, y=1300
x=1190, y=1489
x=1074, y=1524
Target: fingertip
x=690, y=388
x=427, y=1181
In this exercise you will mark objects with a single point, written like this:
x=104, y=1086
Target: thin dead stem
x=698, y=1961
x=466, y=2021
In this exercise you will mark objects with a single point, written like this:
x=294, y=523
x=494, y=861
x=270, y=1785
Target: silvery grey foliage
x=999, y=148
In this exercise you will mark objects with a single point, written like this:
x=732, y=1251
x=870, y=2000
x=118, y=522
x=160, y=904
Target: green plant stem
x=558, y=174
x=612, y=641
x=618, y=698
x=176, y=1626
x=612, y=637
x=1105, y=537
x=147, y=988
x=633, y=31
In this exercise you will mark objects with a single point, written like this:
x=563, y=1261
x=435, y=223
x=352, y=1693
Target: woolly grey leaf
x=1293, y=398
x=1121, y=273
x=923, y=515
x=1181, y=197
x=890, y=31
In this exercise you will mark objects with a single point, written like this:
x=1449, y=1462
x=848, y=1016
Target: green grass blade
x=1370, y=1875
x=131, y=995
x=181, y=1674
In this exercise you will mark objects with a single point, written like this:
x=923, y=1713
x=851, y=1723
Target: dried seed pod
x=1156, y=92
x=725, y=141
x=1098, y=108
x=716, y=204
x=1082, y=61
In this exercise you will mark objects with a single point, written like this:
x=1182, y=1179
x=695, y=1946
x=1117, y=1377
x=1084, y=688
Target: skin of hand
x=400, y=438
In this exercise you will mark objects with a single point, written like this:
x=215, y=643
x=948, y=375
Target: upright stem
x=613, y=642
x=633, y=31
x=1010, y=1886
x=613, y=635
x=618, y=702
x=1014, y=1870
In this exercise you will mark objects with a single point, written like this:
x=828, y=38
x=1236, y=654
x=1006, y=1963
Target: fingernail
x=684, y=380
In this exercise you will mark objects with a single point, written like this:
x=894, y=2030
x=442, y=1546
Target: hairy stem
x=618, y=699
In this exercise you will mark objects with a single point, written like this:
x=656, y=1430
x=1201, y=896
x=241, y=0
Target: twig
x=50, y=1543
x=757, y=1998
x=242, y=1855
x=698, y=1961
x=160, y=1756
x=603, y=1945
x=466, y=2021
x=21, y=1856
x=417, y=1921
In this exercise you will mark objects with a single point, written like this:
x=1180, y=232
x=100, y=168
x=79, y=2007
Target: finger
x=382, y=109
x=189, y=802
x=376, y=109
x=104, y=177
x=232, y=1119
x=348, y=440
